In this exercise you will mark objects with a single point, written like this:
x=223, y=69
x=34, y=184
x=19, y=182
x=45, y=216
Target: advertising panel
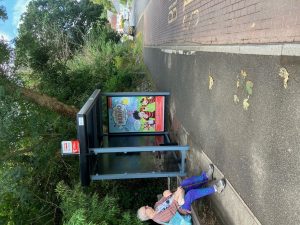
x=136, y=114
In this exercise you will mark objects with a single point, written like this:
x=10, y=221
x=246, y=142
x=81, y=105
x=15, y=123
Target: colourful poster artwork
x=136, y=114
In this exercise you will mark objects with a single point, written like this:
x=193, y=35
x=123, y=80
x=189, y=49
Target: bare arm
x=179, y=195
x=167, y=193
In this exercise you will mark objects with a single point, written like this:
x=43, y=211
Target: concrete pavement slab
x=256, y=149
x=270, y=49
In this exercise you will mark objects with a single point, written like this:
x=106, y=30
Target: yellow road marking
x=186, y=2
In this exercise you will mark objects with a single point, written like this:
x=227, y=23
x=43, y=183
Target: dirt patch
x=206, y=213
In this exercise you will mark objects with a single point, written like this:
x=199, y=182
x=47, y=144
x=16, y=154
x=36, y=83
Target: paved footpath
x=239, y=111
x=222, y=21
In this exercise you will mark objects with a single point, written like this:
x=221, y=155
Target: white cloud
x=19, y=9
x=4, y=36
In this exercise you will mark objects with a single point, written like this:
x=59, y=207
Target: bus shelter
x=132, y=143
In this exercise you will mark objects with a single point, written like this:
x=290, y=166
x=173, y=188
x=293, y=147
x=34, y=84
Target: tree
x=4, y=52
x=3, y=14
x=30, y=166
x=54, y=26
x=107, y=4
x=42, y=100
x=66, y=51
x=4, y=48
x=52, y=31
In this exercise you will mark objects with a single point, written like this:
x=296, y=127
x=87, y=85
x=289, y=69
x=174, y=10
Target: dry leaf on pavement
x=285, y=75
x=236, y=99
x=210, y=82
x=249, y=87
x=243, y=74
x=246, y=104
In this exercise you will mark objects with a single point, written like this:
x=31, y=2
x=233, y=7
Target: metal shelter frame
x=90, y=135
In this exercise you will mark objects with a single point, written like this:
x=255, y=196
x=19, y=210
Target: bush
x=80, y=208
x=103, y=64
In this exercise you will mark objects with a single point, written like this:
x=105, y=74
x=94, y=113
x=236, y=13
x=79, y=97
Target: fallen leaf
x=243, y=74
x=238, y=83
x=211, y=82
x=236, y=99
x=246, y=104
x=249, y=87
x=285, y=75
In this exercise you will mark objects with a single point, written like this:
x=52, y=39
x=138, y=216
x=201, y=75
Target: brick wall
x=222, y=21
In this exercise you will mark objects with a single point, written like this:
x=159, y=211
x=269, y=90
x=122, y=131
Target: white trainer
x=220, y=185
x=210, y=171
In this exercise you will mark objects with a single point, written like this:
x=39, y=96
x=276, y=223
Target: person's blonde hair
x=141, y=214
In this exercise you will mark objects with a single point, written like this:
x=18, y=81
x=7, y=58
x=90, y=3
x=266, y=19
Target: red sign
x=159, y=113
x=70, y=147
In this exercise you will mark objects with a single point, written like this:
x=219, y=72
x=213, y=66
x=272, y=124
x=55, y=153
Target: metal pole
x=182, y=149
x=83, y=158
x=127, y=94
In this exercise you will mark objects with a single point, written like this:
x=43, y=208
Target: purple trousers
x=193, y=190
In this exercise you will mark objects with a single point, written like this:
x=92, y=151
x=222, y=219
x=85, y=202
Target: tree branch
x=41, y=99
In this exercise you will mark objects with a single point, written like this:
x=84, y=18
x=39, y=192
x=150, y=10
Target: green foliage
x=124, y=2
x=249, y=87
x=97, y=60
x=130, y=194
x=4, y=48
x=107, y=4
x=47, y=19
x=31, y=165
x=52, y=40
x=4, y=52
x=64, y=49
x=103, y=63
x=51, y=31
x=78, y=218
x=80, y=208
x=3, y=14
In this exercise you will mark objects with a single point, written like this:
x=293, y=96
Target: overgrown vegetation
x=81, y=208
x=65, y=50
x=126, y=2
x=107, y=4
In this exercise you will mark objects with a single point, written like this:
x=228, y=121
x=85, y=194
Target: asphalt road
x=256, y=149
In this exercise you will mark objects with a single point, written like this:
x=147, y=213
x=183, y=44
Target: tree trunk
x=43, y=100
x=49, y=102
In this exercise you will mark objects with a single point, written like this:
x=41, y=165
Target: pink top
x=167, y=214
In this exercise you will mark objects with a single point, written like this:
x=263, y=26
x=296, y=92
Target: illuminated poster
x=136, y=114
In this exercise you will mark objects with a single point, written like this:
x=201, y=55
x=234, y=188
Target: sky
x=14, y=9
